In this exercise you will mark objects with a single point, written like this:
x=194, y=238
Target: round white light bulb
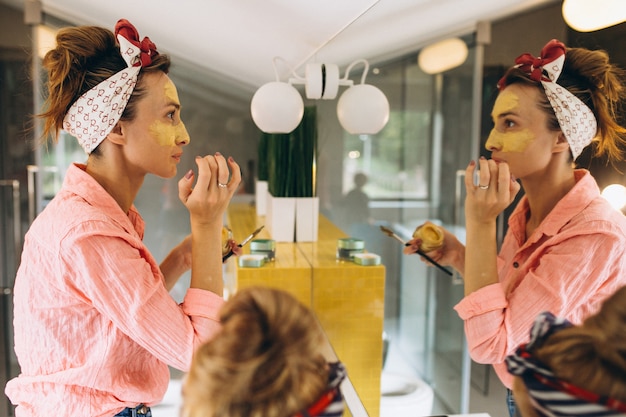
x=363, y=110
x=616, y=195
x=277, y=107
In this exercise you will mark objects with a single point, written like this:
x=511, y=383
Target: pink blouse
x=95, y=327
x=569, y=265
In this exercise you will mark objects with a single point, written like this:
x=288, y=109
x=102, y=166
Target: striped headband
x=94, y=114
x=549, y=395
x=330, y=403
x=576, y=120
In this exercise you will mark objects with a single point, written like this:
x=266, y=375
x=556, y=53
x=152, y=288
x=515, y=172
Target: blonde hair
x=593, y=355
x=590, y=76
x=264, y=362
x=83, y=57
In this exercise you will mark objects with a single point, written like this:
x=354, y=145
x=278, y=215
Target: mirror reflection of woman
x=565, y=246
x=95, y=326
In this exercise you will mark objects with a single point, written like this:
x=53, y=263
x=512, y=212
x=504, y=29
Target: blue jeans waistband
x=139, y=411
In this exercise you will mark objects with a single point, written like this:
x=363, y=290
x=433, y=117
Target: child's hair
x=596, y=82
x=83, y=57
x=265, y=361
x=592, y=356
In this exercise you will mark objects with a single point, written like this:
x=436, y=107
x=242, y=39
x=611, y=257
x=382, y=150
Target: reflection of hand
x=233, y=247
x=450, y=253
x=496, y=190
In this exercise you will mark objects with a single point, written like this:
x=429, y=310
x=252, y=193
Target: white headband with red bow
x=94, y=114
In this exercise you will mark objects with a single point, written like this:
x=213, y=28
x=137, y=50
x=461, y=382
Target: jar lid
x=251, y=261
x=366, y=259
x=263, y=244
x=350, y=243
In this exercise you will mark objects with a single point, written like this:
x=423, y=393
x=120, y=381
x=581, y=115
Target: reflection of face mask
x=168, y=134
x=516, y=141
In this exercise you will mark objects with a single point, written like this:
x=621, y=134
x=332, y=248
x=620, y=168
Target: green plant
x=262, y=163
x=291, y=159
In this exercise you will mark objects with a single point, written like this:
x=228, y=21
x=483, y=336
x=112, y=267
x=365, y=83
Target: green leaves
x=290, y=159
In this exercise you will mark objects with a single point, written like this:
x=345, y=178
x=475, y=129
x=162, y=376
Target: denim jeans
x=510, y=404
x=139, y=411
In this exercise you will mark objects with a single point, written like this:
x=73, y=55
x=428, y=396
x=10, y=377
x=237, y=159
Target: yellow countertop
x=347, y=298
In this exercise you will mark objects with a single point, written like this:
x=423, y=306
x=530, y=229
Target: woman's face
x=520, y=135
x=154, y=139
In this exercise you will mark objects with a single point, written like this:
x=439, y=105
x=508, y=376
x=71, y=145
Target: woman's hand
x=207, y=202
x=235, y=248
x=208, y=199
x=452, y=253
x=495, y=191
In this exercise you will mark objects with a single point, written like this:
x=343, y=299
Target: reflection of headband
x=549, y=395
x=576, y=119
x=330, y=403
x=94, y=114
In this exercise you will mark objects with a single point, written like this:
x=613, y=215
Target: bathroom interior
x=414, y=167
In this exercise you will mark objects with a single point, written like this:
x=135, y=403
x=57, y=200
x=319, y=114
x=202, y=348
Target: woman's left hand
x=495, y=191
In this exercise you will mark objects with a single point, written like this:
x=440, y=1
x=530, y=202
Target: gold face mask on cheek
x=509, y=142
x=517, y=141
x=168, y=134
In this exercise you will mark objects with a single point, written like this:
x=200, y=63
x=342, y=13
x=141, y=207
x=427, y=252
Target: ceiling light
x=277, y=107
x=442, y=56
x=46, y=40
x=587, y=16
x=616, y=195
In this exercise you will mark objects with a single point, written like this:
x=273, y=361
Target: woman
x=95, y=327
x=574, y=370
x=565, y=246
x=266, y=361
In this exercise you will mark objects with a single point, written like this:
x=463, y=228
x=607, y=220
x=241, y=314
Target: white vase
x=280, y=218
x=307, y=218
x=260, y=197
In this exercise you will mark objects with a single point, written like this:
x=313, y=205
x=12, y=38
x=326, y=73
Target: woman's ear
x=561, y=144
x=117, y=135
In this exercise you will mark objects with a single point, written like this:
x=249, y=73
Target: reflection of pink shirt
x=571, y=263
x=95, y=327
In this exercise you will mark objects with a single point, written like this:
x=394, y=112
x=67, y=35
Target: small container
x=366, y=259
x=251, y=261
x=347, y=247
x=265, y=247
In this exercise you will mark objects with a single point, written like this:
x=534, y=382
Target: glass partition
x=408, y=173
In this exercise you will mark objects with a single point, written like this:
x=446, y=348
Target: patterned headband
x=549, y=395
x=330, y=403
x=576, y=120
x=94, y=114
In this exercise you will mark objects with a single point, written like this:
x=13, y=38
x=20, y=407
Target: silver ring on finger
x=483, y=187
x=219, y=184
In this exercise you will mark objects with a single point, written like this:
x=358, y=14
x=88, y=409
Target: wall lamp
x=277, y=107
x=442, y=56
x=587, y=16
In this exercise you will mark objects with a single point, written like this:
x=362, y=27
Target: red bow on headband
x=147, y=47
x=534, y=66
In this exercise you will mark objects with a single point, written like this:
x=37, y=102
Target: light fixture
x=46, y=40
x=615, y=195
x=587, y=16
x=277, y=107
x=442, y=56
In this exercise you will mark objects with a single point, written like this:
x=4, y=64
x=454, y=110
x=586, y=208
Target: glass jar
x=265, y=247
x=347, y=247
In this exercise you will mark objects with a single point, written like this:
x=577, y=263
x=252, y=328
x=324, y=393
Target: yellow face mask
x=168, y=134
x=516, y=141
